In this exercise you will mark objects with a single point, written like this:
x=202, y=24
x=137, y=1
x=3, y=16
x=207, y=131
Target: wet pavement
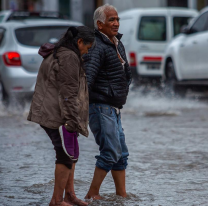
x=168, y=144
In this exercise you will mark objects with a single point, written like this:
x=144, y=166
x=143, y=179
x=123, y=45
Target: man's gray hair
x=99, y=14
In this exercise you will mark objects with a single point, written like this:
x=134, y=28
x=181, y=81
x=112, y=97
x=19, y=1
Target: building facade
x=124, y=4
x=82, y=10
x=68, y=6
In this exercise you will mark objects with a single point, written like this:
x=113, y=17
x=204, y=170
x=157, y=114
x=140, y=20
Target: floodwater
x=168, y=162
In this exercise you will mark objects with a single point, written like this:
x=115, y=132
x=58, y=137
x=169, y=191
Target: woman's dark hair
x=70, y=38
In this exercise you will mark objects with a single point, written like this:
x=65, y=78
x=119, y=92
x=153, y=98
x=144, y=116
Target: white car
x=19, y=58
x=9, y=15
x=186, y=57
x=146, y=33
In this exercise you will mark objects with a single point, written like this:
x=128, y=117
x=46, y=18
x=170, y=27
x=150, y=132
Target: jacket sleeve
x=68, y=87
x=93, y=62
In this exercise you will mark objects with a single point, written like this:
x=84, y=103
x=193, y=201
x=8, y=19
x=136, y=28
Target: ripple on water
x=113, y=200
x=162, y=114
x=79, y=182
x=40, y=188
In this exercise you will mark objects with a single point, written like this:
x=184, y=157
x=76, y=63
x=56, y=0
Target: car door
x=152, y=39
x=190, y=49
x=201, y=67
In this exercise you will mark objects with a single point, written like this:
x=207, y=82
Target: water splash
x=156, y=103
x=15, y=108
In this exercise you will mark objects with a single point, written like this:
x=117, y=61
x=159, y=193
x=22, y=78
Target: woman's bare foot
x=72, y=199
x=63, y=203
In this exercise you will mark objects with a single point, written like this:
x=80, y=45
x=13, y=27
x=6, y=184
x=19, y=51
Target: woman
x=60, y=101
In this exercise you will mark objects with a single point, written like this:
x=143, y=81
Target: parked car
x=9, y=15
x=146, y=35
x=19, y=45
x=186, y=58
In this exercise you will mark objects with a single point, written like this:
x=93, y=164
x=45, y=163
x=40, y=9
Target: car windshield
x=152, y=28
x=36, y=36
x=178, y=22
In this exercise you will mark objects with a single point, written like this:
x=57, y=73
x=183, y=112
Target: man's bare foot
x=72, y=199
x=63, y=203
x=94, y=197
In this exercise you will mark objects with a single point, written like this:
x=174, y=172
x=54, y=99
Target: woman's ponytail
x=73, y=30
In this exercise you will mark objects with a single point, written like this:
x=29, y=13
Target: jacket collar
x=105, y=39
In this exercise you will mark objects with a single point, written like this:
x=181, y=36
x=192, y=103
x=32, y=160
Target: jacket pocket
x=106, y=110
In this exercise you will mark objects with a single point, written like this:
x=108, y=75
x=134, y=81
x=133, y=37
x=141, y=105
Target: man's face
x=111, y=26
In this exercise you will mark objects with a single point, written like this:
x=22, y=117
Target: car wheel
x=4, y=97
x=171, y=81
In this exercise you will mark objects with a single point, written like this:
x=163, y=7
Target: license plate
x=153, y=66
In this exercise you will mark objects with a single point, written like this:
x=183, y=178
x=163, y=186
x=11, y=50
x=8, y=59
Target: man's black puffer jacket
x=108, y=81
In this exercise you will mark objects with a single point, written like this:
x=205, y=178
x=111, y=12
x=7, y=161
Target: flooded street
x=168, y=162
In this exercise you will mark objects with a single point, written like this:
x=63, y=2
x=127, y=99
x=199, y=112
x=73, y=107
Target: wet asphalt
x=168, y=163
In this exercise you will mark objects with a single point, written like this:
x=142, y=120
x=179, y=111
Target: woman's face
x=82, y=47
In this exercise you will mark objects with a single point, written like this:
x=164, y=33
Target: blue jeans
x=106, y=126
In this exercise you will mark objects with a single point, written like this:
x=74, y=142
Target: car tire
x=171, y=82
x=4, y=97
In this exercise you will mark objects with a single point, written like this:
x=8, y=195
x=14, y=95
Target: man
x=109, y=77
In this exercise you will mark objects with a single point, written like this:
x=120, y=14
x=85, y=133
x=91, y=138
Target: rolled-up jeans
x=105, y=124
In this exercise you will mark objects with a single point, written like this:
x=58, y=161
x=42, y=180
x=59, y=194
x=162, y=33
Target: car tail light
x=133, y=62
x=154, y=59
x=12, y=59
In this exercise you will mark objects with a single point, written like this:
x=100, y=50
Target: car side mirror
x=185, y=29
